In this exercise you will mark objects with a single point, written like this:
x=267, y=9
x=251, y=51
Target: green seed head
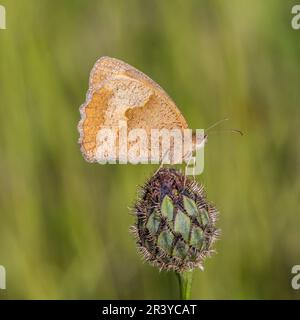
x=175, y=224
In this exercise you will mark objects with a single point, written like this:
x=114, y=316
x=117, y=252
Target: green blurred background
x=64, y=222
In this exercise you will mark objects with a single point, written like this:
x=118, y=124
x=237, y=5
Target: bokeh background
x=64, y=222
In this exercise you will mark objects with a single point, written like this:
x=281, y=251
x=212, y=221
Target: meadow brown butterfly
x=119, y=92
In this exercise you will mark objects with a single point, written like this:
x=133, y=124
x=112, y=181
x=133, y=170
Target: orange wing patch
x=93, y=115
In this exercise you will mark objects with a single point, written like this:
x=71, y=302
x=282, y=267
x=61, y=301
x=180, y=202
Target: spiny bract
x=175, y=224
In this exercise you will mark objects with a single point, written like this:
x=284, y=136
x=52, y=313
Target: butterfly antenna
x=229, y=130
x=237, y=131
x=216, y=124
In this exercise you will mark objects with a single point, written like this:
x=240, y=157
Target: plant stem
x=185, y=284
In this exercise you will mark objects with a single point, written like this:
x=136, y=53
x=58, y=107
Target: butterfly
x=118, y=93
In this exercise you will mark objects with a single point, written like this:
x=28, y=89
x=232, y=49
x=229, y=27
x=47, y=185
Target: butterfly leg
x=162, y=161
